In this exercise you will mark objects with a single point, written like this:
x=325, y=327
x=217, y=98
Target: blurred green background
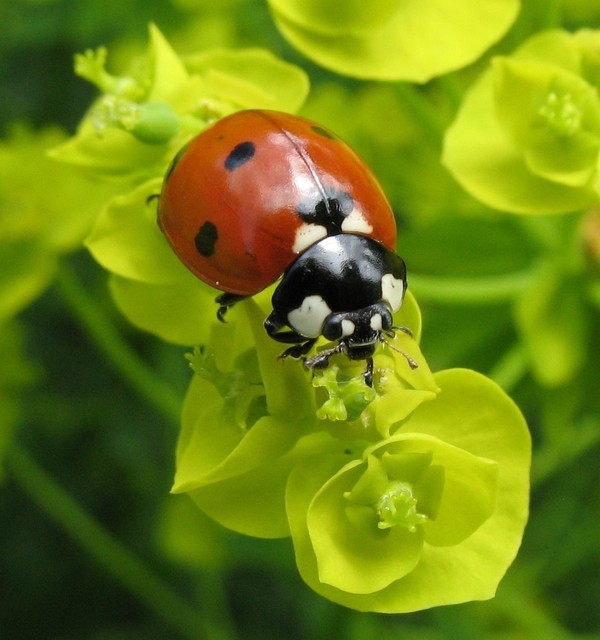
x=92, y=545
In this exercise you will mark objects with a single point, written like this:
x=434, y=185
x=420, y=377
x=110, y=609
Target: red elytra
x=246, y=196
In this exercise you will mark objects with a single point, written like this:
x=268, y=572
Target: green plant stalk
x=510, y=368
x=425, y=115
x=470, y=291
x=552, y=16
x=115, y=349
x=452, y=88
x=122, y=565
x=532, y=619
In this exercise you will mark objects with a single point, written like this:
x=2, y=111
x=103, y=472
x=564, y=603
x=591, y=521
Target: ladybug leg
x=225, y=302
x=301, y=344
x=321, y=359
x=368, y=374
x=273, y=325
x=298, y=350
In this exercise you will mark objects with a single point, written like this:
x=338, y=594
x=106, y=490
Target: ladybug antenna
x=412, y=363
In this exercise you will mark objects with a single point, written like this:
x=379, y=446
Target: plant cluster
x=412, y=493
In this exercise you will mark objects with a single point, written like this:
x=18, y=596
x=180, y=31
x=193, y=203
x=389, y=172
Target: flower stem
x=425, y=115
x=451, y=88
x=116, y=350
x=98, y=543
x=511, y=368
x=470, y=291
x=552, y=15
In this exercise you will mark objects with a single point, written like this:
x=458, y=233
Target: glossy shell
x=342, y=273
x=244, y=198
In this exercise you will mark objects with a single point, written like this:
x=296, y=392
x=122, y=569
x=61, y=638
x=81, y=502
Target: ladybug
x=262, y=195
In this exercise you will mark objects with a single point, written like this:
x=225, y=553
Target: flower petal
x=399, y=47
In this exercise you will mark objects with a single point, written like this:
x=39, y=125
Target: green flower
x=411, y=40
x=248, y=418
x=141, y=120
x=527, y=137
x=401, y=497
x=433, y=515
x=132, y=132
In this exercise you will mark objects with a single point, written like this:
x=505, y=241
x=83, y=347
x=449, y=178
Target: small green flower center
x=398, y=506
x=112, y=111
x=561, y=114
x=347, y=396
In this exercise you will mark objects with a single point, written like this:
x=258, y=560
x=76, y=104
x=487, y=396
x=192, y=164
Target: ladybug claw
x=297, y=351
x=225, y=302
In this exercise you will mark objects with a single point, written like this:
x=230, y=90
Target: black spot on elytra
x=240, y=154
x=321, y=131
x=206, y=239
x=329, y=212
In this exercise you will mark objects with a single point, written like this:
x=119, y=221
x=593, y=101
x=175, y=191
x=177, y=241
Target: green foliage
x=378, y=499
x=527, y=137
x=472, y=441
x=397, y=498
x=413, y=40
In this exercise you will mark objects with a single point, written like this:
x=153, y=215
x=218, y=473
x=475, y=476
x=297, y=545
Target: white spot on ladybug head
x=376, y=322
x=306, y=235
x=347, y=327
x=355, y=222
x=392, y=290
x=308, y=319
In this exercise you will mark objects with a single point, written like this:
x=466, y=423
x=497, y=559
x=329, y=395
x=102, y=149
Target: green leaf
x=126, y=239
x=470, y=485
x=410, y=316
x=114, y=153
x=15, y=374
x=358, y=560
x=59, y=213
x=527, y=136
x=554, y=117
x=229, y=463
x=188, y=537
x=496, y=247
x=181, y=312
x=287, y=387
x=251, y=78
x=27, y=269
x=553, y=320
x=358, y=17
x=470, y=414
x=390, y=409
x=167, y=71
x=485, y=161
x=233, y=502
x=388, y=40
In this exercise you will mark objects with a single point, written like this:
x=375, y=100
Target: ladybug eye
x=239, y=155
x=339, y=325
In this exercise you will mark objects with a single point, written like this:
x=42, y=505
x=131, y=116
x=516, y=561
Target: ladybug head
x=359, y=331
x=344, y=288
